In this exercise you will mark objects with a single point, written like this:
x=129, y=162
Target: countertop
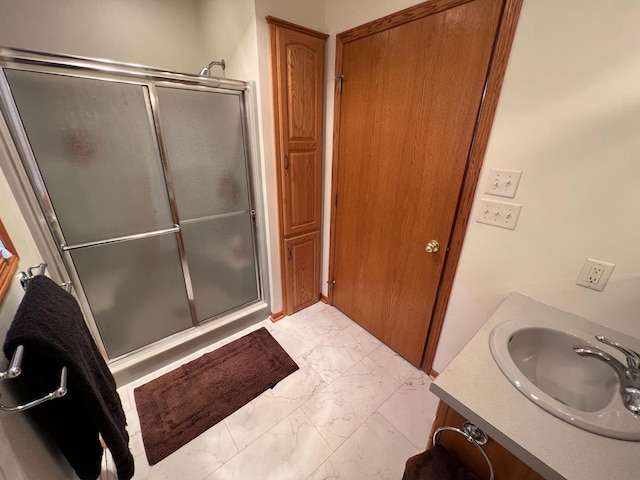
x=474, y=386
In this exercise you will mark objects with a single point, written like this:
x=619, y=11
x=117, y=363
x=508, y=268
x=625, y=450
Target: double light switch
x=502, y=183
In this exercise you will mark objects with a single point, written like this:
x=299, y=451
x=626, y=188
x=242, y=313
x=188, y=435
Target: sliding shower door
x=204, y=140
x=145, y=186
x=97, y=154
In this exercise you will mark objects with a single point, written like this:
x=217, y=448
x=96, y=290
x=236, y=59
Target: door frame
x=486, y=113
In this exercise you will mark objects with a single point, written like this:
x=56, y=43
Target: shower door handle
x=136, y=236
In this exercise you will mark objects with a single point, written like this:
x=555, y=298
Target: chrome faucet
x=629, y=375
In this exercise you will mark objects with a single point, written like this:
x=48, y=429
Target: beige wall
x=24, y=453
x=568, y=117
x=162, y=33
x=159, y=33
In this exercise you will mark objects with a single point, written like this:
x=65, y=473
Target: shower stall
x=143, y=185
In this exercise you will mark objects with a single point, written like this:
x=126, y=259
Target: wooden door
x=410, y=98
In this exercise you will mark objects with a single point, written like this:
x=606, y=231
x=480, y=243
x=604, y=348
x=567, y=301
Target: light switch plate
x=498, y=214
x=503, y=183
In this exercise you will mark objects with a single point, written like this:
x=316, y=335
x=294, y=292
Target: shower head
x=206, y=71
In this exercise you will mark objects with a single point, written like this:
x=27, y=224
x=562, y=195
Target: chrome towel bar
x=135, y=236
x=39, y=269
x=15, y=369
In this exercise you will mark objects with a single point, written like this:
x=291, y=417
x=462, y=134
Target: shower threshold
x=147, y=359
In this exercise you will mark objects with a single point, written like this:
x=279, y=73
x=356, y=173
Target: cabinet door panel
x=302, y=88
x=302, y=271
x=301, y=59
x=301, y=192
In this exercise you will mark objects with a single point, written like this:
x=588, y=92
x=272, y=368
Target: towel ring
x=473, y=435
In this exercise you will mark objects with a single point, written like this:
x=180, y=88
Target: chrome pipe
x=206, y=71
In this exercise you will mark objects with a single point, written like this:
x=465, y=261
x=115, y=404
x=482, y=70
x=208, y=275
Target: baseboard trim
x=433, y=374
x=324, y=299
x=277, y=316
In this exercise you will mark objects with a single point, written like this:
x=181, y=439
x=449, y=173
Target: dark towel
x=51, y=327
x=436, y=464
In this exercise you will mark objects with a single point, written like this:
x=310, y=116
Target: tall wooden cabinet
x=297, y=71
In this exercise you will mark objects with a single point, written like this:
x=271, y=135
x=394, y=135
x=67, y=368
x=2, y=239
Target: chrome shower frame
x=30, y=192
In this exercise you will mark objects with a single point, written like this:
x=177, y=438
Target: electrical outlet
x=498, y=214
x=595, y=274
x=503, y=183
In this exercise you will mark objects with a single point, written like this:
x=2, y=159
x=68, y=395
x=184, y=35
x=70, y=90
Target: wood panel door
x=299, y=69
x=411, y=92
x=303, y=270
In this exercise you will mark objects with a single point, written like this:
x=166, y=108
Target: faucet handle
x=633, y=357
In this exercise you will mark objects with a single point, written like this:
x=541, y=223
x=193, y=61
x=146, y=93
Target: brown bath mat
x=180, y=405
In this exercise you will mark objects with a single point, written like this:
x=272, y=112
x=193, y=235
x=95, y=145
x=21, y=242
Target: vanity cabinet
x=297, y=71
x=505, y=465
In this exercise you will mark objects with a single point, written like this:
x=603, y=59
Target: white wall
x=569, y=118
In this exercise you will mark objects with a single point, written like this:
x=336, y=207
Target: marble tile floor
x=354, y=410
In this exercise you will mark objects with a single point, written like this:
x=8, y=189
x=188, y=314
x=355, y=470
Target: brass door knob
x=433, y=246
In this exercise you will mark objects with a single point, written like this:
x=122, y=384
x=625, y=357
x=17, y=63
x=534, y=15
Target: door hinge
x=340, y=78
x=336, y=200
x=290, y=254
x=286, y=161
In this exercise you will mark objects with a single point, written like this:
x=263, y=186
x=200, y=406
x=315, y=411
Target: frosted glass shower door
x=204, y=140
x=97, y=154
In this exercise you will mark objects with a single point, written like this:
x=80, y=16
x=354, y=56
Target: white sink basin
x=538, y=359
